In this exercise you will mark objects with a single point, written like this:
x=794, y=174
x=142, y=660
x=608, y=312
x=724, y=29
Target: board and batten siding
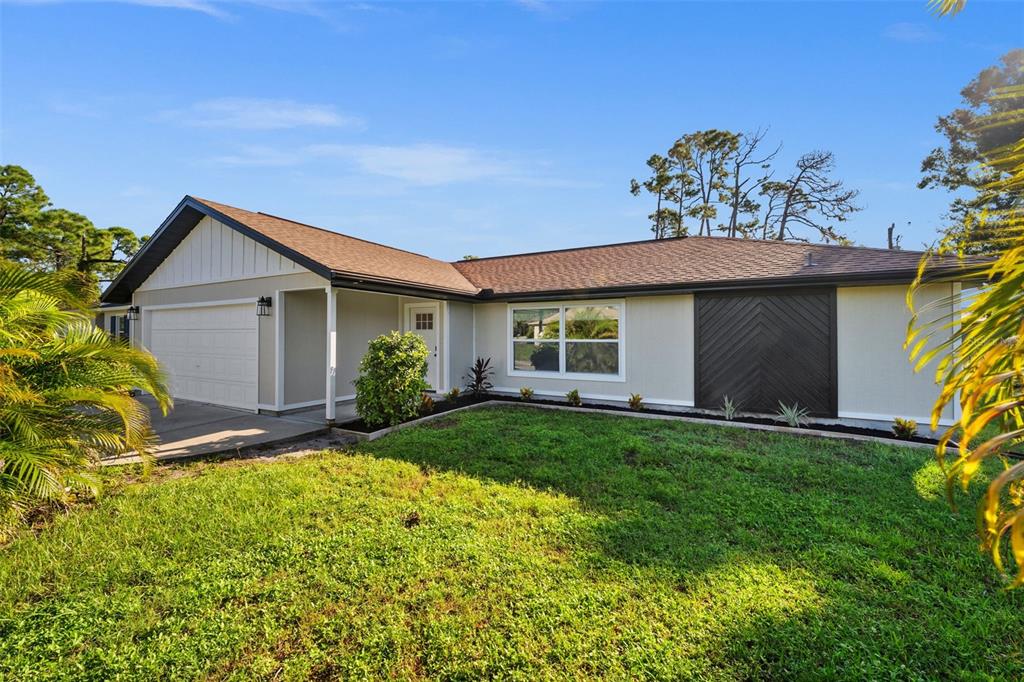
x=658, y=333
x=213, y=252
x=876, y=378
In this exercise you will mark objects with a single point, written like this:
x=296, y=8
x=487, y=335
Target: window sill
x=615, y=378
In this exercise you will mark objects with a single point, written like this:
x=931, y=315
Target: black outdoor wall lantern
x=263, y=306
x=133, y=313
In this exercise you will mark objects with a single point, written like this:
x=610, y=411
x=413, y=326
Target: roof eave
x=399, y=287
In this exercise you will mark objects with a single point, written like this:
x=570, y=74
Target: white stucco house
x=683, y=322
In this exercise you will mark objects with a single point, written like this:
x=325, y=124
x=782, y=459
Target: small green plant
x=729, y=408
x=426, y=404
x=453, y=394
x=794, y=415
x=636, y=401
x=479, y=378
x=904, y=429
x=526, y=394
x=573, y=398
x=392, y=379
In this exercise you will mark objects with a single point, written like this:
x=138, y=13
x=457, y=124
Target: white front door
x=422, y=319
x=210, y=353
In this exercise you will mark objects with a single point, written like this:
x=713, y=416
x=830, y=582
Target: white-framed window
x=119, y=327
x=573, y=340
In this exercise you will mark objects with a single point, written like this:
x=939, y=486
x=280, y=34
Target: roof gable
x=331, y=255
x=213, y=252
x=350, y=258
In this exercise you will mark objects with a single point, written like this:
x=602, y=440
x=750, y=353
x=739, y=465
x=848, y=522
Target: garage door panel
x=210, y=353
x=766, y=347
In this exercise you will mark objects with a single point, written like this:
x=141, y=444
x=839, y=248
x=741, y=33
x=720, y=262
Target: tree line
x=36, y=234
x=722, y=183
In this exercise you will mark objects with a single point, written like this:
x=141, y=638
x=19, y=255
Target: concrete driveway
x=197, y=429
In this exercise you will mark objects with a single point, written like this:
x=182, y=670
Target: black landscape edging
x=440, y=407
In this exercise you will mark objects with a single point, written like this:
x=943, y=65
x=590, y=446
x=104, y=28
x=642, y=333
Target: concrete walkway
x=197, y=429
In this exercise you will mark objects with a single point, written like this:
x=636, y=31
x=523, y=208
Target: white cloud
x=420, y=164
x=213, y=8
x=242, y=113
x=253, y=155
x=906, y=32
x=534, y=5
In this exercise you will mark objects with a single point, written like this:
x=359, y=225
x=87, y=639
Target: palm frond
x=947, y=7
x=980, y=348
x=65, y=389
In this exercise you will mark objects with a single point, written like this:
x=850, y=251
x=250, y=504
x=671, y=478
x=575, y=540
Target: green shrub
x=904, y=429
x=573, y=398
x=526, y=394
x=392, y=379
x=636, y=401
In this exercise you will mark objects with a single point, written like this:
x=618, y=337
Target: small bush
x=573, y=398
x=526, y=394
x=453, y=394
x=636, y=401
x=479, y=377
x=904, y=429
x=729, y=408
x=426, y=404
x=794, y=415
x=392, y=379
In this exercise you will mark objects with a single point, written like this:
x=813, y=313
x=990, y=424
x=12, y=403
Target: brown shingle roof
x=350, y=256
x=661, y=263
x=684, y=261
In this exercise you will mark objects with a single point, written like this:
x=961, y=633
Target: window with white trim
x=582, y=340
x=119, y=327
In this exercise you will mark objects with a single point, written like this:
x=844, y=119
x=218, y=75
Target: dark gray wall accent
x=763, y=348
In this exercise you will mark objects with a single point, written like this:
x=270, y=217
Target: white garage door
x=210, y=353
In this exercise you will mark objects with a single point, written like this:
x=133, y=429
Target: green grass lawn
x=519, y=543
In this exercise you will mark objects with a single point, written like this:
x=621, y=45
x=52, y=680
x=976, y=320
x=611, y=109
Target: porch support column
x=332, y=351
x=278, y=308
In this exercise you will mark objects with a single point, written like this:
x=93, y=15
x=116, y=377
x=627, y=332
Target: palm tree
x=66, y=389
x=982, y=359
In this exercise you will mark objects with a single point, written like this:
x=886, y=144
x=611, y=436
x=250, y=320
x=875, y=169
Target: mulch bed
x=441, y=406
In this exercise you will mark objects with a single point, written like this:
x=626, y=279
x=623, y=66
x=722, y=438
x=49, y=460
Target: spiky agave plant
x=65, y=386
x=794, y=415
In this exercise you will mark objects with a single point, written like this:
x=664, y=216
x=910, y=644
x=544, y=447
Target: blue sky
x=480, y=128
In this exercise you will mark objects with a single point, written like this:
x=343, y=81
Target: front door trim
x=433, y=371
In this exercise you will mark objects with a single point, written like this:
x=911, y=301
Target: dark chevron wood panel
x=766, y=347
